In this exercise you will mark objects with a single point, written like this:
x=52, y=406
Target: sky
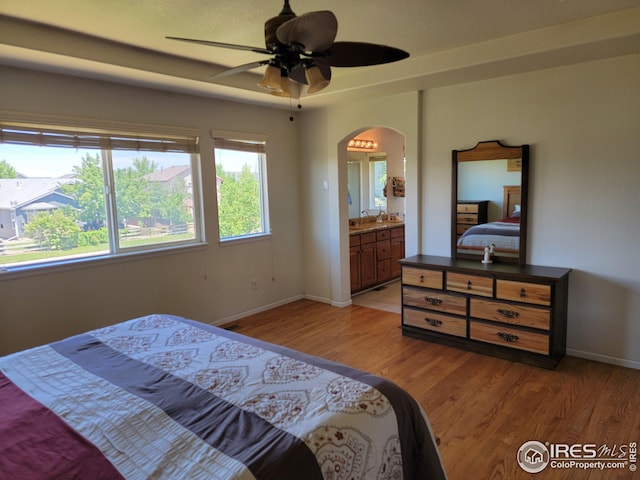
x=53, y=162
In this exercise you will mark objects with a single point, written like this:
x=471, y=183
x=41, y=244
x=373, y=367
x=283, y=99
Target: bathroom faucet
x=378, y=215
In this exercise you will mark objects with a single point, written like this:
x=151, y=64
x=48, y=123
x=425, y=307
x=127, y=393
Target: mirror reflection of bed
x=502, y=232
x=489, y=201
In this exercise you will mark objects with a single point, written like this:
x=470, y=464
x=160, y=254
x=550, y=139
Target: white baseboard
x=333, y=303
x=253, y=311
x=317, y=299
x=622, y=362
x=342, y=304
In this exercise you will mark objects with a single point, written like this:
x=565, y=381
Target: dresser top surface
x=475, y=266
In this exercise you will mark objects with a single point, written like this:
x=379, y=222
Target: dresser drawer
x=436, y=322
x=514, y=314
x=422, y=277
x=383, y=249
x=461, y=228
x=472, y=284
x=467, y=208
x=434, y=300
x=524, y=292
x=509, y=337
x=467, y=218
x=354, y=240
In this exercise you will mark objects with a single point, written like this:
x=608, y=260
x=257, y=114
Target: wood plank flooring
x=482, y=408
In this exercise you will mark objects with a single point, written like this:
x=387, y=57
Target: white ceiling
x=450, y=41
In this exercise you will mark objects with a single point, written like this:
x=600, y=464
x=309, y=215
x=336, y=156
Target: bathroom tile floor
x=386, y=297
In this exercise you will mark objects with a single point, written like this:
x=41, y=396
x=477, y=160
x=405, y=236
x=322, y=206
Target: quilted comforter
x=163, y=397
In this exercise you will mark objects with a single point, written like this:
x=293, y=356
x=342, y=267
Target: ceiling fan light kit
x=303, y=51
x=315, y=79
x=271, y=79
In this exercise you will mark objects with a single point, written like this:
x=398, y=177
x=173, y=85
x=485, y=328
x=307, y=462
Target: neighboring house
x=23, y=198
x=167, y=176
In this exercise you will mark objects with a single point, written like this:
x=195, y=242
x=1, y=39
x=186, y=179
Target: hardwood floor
x=482, y=408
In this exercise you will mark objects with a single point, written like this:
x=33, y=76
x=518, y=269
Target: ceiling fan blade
x=360, y=54
x=316, y=31
x=223, y=45
x=239, y=69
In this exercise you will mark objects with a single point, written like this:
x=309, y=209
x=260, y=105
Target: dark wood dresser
x=518, y=312
x=470, y=213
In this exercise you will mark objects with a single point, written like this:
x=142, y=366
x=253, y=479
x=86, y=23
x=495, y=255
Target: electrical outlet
x=254, y=284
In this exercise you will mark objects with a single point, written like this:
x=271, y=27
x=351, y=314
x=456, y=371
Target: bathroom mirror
x=489, y=202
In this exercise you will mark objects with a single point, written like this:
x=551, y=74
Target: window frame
x=373, y=181
x=227, y=140
x=115, y=251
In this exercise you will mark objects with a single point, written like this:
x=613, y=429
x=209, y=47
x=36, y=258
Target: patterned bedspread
x=163, y=397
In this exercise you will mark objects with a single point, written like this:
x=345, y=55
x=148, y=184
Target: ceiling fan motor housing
x=271, y=25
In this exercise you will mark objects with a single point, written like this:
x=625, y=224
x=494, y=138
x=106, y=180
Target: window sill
x=12, y=273
x=246, y=239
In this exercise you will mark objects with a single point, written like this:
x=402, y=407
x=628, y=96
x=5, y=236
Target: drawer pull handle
x=421, y=278
x=508, y=313
x=469, y=285
x=508, y=337
x=523, y=293
x=433, y=322
x=433, y=300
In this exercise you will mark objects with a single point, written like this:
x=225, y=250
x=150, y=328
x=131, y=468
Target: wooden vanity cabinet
x=374, y=257
x=397, y=251
x=363, y=265
x=518, y=312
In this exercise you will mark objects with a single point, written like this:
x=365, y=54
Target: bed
x=165, y=397
x=504, y=234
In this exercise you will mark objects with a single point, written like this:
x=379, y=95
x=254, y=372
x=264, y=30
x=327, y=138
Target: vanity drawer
x=436, y=322
x=509, y=337
x=354, y=240
x=434, y=301
x=472, y=284
x=514, y=314
x=369, y=237
x=467, y=208
x=383, y=249
x=524, y=292
x=383, y=235
x=422, y=277
x=397, y=232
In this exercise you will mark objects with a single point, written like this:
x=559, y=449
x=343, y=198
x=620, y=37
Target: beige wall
x=582, y=123
x=210, y=284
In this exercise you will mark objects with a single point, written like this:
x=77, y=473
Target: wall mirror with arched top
x=489, y=202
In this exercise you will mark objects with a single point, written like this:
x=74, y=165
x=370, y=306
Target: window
x=77, y=194
x=241, y=183
x=377, y=182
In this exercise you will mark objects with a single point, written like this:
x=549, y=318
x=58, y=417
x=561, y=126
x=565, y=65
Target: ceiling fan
x=303, y=50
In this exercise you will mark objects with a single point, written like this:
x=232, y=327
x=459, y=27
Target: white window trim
x=264, y=186
x=47, y=121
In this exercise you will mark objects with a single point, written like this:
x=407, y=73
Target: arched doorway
x=375, y=166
